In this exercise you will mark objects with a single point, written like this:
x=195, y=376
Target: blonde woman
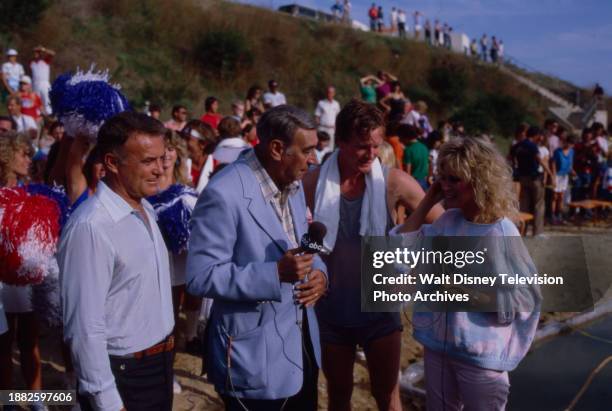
x=468, y=355
x=15, y=162
x=173, y=206
x=387, y=155
x=175, y=163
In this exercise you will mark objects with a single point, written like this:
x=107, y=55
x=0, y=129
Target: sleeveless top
x=342, y=304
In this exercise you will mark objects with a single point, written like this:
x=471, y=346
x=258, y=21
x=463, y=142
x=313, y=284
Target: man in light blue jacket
x=262, y=347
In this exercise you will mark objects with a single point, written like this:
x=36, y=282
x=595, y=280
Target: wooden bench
x=586, y=204
x=603, y=203
x=596, y=205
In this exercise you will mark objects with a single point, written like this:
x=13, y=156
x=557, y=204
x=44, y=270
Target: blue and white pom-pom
x=173, y=207
x=83, y=101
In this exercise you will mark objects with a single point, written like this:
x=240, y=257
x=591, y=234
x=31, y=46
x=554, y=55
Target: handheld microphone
x=312, y=241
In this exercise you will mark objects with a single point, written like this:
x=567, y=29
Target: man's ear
x=276, y=148
x=111, y=162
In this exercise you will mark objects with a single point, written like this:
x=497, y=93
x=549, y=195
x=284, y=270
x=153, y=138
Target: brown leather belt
x=164, y=346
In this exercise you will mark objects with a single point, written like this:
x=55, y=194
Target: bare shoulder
x=403, y=189
x=403, y=184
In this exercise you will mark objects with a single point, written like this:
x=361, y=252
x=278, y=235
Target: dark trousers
x=402, y=29
x=532, y=201
x=143, y=384
x=305, y=400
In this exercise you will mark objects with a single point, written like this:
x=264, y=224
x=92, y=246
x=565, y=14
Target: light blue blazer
x=255, y=339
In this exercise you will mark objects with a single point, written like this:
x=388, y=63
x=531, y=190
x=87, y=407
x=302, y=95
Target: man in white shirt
x=326, y=112
x=115, y=276
x=25, y=124
x=393, y=19
x=346, y=12
x=41, y=75
x=273, y=97
x=401, y=23
x=418, y=17
x=11, y=73
x=550, y=135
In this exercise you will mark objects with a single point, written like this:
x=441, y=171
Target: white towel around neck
x=373, y=220
x=205, y=173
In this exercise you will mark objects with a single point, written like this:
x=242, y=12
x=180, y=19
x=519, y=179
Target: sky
x=570, y=39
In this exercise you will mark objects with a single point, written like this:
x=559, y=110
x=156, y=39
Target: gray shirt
x=115, y=289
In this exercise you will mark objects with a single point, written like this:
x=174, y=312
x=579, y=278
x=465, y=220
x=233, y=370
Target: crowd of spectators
x=569, y=167
x=435, y=34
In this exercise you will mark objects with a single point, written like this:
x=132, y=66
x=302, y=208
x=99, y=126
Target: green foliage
x=450, y=84
x=222, y=53
x=418, y=92
x=21, y=13
x=492, y=113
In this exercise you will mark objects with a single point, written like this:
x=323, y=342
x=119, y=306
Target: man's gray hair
x=281, y=123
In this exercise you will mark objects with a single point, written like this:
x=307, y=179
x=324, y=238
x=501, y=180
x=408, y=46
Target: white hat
x=25, y=79
x=11, y=52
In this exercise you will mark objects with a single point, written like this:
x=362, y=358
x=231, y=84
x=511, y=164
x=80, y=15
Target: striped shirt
x=278, y=199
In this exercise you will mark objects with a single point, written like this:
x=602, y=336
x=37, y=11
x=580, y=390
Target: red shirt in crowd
x=212, y=119
x=195, y=175
x=30, y=104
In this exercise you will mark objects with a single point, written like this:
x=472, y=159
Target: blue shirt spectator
x=563, y=161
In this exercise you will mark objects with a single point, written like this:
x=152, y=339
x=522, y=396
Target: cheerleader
x=15, y=162
x=173, y=206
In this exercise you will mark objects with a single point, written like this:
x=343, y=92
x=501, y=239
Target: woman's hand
x=418, y=217
x=434, y=194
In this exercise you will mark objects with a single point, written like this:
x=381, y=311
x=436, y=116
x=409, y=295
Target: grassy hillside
x=170, y=51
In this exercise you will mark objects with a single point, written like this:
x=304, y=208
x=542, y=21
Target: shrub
x=450, y=84
x=492, y=113
x=15, y=14
x=222, y=53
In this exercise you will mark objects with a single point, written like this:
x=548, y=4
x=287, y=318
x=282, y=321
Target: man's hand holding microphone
x=295, y=266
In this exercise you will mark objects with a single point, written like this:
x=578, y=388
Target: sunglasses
x=450, y=179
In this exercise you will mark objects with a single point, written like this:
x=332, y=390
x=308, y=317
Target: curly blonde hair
x=477, y=161
x=174, y=140
x=10, y=143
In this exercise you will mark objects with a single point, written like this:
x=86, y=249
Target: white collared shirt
x=115, y=289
